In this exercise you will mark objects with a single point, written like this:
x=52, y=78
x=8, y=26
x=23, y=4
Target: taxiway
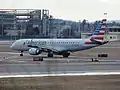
x=12, y=64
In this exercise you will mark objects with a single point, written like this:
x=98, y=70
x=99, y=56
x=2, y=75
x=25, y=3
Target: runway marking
x=62, y=74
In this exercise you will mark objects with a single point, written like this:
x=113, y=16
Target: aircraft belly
x=74, y=48
x=80, y=48
x=56, y=48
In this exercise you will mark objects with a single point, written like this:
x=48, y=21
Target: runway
x=76, y=70
x=13, y=64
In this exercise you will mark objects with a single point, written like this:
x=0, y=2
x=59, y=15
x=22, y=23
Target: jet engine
x=34, y=51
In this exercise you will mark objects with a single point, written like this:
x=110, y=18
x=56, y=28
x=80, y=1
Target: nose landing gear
x=21, y=54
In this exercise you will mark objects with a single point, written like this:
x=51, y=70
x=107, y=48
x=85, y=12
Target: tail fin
x=99, y=33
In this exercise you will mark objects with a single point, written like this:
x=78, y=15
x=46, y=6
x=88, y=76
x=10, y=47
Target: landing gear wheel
x=66, y=55
x=50, y=55
x=21, y=53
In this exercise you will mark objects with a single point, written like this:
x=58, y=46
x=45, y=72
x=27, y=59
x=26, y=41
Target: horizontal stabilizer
x=98, y=41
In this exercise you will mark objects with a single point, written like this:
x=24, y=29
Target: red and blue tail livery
x=98, y=34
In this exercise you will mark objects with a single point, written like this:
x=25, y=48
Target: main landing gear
x=66, y=54
x=21, y=54
x=50, y=54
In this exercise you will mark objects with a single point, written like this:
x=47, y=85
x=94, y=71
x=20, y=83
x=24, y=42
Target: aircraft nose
x=12, y=46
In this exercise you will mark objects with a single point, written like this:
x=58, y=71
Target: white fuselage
x=71, y=45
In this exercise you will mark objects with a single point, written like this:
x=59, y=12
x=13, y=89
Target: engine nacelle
x=34, y=51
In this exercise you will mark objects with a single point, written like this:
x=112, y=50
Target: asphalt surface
x=80, y=62
x=12, y=64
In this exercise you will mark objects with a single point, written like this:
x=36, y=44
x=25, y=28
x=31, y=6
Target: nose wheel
x=21, y=54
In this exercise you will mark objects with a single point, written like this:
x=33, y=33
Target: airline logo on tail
x=100, y=31
x=98, y=35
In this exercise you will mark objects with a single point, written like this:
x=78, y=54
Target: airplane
x=62, y=47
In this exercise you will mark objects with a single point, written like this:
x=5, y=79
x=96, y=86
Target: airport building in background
x=14, y=21
x=24, y=22
x=40, y=23
x=113, y=33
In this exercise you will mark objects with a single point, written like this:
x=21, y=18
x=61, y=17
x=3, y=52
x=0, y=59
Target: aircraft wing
x=44, y=48
x=49, y=49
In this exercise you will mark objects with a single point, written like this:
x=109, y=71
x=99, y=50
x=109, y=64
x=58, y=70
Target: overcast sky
x=70, y=9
